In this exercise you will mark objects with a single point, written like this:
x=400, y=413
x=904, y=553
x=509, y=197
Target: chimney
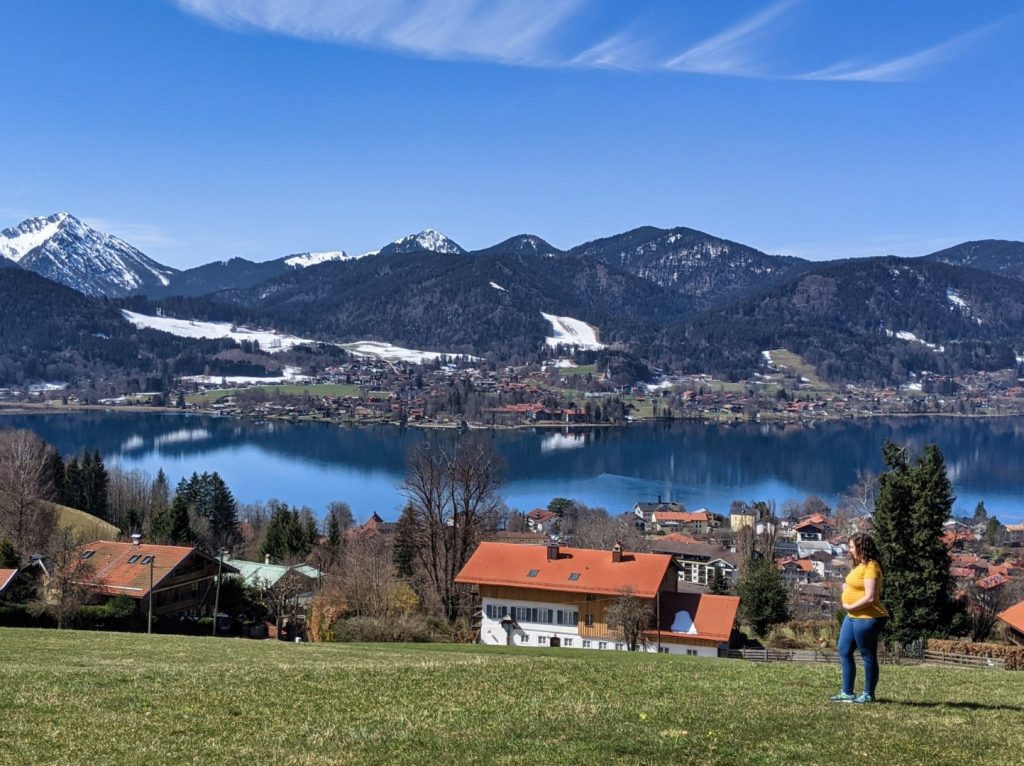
x=552, y=551
x=136, y=538
x=659, y=499
x=266, y=559
x=616, y=553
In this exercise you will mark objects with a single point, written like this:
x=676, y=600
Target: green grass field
x=88, y=527
x=285, y=389
x=78, y=697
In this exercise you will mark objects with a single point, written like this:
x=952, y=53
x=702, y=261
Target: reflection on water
x=699, y=465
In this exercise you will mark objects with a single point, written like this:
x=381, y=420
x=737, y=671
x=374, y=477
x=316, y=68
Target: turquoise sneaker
x=863, y=697
x=843, y=697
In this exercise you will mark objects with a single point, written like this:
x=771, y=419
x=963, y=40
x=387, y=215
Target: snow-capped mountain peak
x=64, y=249
x=17, y=241
x=428, y=239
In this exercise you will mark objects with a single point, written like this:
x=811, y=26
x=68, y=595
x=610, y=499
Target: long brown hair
x=867, y=550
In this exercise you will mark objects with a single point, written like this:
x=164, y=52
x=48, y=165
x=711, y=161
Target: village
x=531, y=583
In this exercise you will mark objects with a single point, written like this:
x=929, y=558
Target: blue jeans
x=860, y=634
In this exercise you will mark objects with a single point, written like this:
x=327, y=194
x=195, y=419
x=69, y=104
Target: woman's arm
x=869, y=596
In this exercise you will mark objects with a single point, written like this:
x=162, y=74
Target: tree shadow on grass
x=953, y=705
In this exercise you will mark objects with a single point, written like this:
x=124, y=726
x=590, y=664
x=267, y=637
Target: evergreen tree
x=406, y=537
x=8, y=556
x=159, y=493
x=764, y=600
x=54, y=474
x=97, y=483
x=980, y=512
x=222, y=512
x=994, y=532
x=718, y=584
x=171, y=525
x=914, y=500
x=74, y=494
x=286, y=539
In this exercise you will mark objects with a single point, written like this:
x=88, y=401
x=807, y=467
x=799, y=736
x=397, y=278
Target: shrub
x=404, y=628
x=1012, y=656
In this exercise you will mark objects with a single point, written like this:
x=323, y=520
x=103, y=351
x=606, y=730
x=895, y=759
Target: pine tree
x=171, y=525
x=286, y=538
x=159, y=493
x=8, y=556
x=54, y=475
x=718, y=584
x=406, y=542
x=98, y=484
x=764, y=600
x=222, y=513
x=73, y=495
x=913, y=502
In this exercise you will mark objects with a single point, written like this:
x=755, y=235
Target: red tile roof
x=802, y=564
x=510, y=565
x=679, y=537
x=681, y=517
x=814, y=520
x=1014, y=616
x=713, y=616
x=541, y=515
x=6, y=577
x=113, y=575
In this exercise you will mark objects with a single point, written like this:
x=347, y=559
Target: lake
x=700, y=465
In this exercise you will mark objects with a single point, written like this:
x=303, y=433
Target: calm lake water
x=697, y=464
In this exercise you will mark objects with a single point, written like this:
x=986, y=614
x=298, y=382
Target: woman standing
x=864, y=620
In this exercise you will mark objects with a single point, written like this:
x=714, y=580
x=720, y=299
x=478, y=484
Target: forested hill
x=52, y=332
x=1000, y=256
x=708, y=268
x=871, y=319
x=471, y=303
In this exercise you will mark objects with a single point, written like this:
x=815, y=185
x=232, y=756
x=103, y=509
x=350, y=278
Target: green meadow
x=106, y=698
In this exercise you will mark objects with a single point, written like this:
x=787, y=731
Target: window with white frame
x=586, y=644
x=542, y=639
x=566, y=642
x=602, y=644
x=691, y=652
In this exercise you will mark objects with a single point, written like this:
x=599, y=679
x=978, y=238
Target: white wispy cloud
x=733, y=51
x=506, y=31
x=533, y=33
x=903, y=67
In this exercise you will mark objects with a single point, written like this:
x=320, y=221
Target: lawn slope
x=77, y=697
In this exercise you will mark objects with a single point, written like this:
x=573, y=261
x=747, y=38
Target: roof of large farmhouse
x=681, y=517
x=123, y=569
x=698, y=615
x=575, y=570
x=1014, y=616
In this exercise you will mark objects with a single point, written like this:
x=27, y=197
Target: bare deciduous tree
x=451, y=490
x=630, y=614
x=27, y=518
x=984, y=604
x=67, y=587
x=595, y=528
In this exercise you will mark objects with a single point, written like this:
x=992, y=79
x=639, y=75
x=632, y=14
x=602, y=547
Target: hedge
x=1012, y=656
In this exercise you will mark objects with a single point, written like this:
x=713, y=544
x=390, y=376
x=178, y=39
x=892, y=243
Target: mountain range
x=677, y=298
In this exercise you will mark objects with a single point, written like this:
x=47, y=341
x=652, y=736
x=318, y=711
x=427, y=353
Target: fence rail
x=811, y=655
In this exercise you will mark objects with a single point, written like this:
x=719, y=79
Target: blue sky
x=206, y=129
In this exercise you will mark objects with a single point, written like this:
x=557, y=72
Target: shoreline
x=48, y=408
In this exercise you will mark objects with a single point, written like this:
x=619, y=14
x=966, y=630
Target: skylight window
x=147, y=560
x=574, y=576
x=87, y=554
x=134, y=558
x=533, y=573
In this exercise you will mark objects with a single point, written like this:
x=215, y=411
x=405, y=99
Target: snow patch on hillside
x=291, y=375
x=303, y=260
x=496, y=286
x=954, y=298
x=910, y=337
x=272, y=342
x=269, y=341
x=390, y=353
x=571, y=332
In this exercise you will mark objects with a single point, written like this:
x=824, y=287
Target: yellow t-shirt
x=854, y=591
